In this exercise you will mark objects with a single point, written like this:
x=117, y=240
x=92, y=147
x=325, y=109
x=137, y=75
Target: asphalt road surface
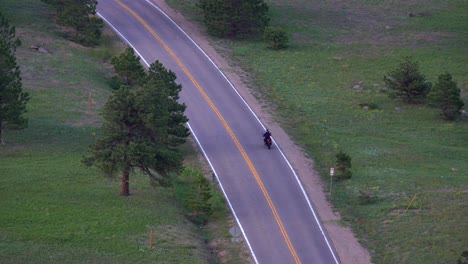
x=265, y=195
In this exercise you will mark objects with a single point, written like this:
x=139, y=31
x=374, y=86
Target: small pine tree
x=275, y=38
x=446, y=95
x=343, y=164
x=407, y=83
x=200, y=194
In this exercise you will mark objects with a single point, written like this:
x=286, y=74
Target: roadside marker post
x=90, y=100
x=151, y=239
x=332, y=172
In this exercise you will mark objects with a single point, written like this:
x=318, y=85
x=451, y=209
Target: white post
x=332, y=171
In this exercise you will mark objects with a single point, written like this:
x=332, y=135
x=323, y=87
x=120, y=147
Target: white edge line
x=260, y=122
x=225, y=195
x=196, y=139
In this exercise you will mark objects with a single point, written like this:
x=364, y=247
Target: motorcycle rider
x=266, y=135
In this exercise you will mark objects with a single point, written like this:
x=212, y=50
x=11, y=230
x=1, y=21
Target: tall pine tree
x=143, y=128
x=12, y=98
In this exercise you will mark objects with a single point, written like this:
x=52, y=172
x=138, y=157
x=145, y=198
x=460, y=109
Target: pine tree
x=407, y=83
x=143, y=128
x=234, y=18
x=12, y=98
x=446, y=95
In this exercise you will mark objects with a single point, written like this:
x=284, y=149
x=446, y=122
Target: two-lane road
x=263, y=191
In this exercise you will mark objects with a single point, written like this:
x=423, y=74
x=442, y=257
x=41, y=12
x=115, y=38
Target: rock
x=464, y=113
x=39, y=48
x=358, y=87
x=366, y=107
x=398, y=110
x=43, y=50
x=383, y=89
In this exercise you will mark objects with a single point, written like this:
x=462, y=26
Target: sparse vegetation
x=366, y=196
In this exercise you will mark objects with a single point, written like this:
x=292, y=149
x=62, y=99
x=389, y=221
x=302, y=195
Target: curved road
x=265, y=195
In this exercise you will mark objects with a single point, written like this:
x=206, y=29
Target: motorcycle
x=268, y=142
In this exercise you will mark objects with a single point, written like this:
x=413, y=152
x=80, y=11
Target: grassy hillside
x=54, y=210
x=400, y=153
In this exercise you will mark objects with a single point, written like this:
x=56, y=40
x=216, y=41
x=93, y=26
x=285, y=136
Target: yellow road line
x=226, y=126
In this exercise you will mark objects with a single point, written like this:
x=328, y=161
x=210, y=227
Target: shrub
x=343, y=164
x=366, y=196
x=370, y=106
x=463, y=259
x=275, y=38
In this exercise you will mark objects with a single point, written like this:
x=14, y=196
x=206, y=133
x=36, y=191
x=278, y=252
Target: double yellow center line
x=226, y=126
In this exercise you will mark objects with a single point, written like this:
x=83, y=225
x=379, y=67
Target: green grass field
x=54, y=210
x=399, y=152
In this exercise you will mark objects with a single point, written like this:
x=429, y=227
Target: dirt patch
x=346, y=244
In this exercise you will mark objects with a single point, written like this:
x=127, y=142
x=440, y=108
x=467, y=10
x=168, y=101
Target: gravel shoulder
x=347, y=246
